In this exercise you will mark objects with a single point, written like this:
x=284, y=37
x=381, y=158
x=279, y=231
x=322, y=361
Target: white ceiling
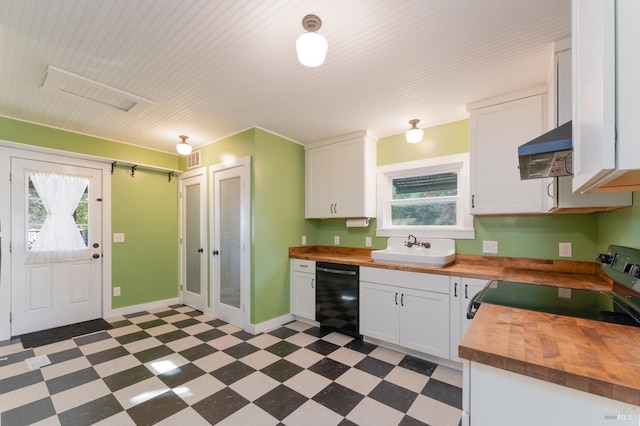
x=212, y=68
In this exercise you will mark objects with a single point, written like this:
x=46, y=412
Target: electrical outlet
x=367, y=241
x=564, y=250
x=116, y=291
x=490, y=247
x=118, y=238
x=336, y=240
x=304, y=240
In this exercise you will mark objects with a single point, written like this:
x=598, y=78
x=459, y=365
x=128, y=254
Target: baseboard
x=269, y=325
x=142, y=307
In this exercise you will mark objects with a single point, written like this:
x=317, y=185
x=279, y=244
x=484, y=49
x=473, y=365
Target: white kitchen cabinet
x=561, y=198
x=408, y=309
x=605, y=91
x=340, y=177
x=303, y=291
x=497, y=128
x=462, y=291
x=498, y=397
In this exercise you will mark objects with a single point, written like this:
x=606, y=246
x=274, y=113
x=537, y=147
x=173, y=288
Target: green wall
x=534, y=236
x=277, y=222
x=144, y=208
x=621, y=227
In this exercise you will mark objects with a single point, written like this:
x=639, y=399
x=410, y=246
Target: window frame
x=457, y=163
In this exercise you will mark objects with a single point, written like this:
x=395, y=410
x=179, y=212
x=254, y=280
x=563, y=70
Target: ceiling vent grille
x=62, y=82
x=193, y=159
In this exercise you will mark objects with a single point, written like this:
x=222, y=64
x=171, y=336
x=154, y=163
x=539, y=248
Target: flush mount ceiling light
x=414, y=135
x=183, y=147
x=311, y=46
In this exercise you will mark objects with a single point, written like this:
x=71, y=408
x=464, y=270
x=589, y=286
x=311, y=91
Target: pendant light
x=311, y=46
x=183, y=147
x=414, y=135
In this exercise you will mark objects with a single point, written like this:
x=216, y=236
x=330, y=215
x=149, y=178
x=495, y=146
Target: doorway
x=231, y=241
x=56, y=244
x=193, y=261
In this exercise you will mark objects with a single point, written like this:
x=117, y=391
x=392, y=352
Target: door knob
x=215, y=252
x=96, y=256
x=96, y=245
x=200, y=250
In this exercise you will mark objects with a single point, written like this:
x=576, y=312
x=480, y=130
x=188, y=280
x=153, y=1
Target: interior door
x=192, y=240
x=231, y=244
x=51, y=287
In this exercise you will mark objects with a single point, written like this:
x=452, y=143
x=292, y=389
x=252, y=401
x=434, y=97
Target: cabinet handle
x=402, y=299
x=455, y=289
x=548, y=188
x=303, y=266
x=396, y=298
x=312, y=280
x=466, y=294
x=473, y=201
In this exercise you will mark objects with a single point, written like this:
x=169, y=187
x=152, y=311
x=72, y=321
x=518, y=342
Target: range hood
x=548, y=155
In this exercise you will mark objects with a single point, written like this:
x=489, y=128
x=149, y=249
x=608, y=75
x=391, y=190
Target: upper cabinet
x=497, y=127
x=561, y=198
x=606, y=86
x=340, y=177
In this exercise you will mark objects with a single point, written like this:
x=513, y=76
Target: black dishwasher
x=337, y=290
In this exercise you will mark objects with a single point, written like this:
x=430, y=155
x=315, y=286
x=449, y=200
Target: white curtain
x=59, y=239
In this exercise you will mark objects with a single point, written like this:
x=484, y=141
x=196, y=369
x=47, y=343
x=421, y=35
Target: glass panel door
x=230, y=242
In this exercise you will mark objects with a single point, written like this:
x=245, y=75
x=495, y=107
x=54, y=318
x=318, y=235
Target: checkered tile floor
x=176, y=366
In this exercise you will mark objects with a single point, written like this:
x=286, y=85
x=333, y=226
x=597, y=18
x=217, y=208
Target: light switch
x=118, y=238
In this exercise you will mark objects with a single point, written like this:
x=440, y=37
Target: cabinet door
x=350, y=184
x=470, y=287
x=320, y=185
x=594, y=89
x=496, y=133
x=379, y=316
x=304, y=295
x=424, y=322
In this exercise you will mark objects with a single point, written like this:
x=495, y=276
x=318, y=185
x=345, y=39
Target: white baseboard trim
x=143, y=307
x=269, y=325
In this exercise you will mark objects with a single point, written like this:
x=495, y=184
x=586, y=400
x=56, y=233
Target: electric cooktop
x=622, y=264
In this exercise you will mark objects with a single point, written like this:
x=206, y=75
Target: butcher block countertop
x=591, y=356
x=595, y=357
x=563, y=273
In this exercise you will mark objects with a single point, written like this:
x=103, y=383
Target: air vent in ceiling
x=62, y=82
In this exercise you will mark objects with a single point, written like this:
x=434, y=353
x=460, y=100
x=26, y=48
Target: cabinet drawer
x=300, y=265
x=404, y=279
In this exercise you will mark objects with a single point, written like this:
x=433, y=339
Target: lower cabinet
x=462, y=291
x=303, y=291
x=493, y=396
x=413, y=313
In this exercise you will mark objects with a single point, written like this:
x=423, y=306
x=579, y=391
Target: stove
x=619, y=306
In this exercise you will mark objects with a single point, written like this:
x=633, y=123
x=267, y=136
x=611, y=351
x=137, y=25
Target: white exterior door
x=193, y=225
x=231, y=243
x=54, y=287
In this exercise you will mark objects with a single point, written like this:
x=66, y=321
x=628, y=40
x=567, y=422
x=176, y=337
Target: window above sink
x=426, y=198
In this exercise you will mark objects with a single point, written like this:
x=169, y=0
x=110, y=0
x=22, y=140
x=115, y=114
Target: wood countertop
x=591, y=356
x=595, y=357
x=562, y=273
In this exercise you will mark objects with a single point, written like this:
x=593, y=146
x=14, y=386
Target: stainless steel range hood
x=547, y=155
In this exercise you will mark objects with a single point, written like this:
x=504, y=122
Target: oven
x=337, y=291
x=620, y=305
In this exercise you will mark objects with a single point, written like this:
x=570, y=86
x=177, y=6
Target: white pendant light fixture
x=414, y=135
x=183, y=147
x=311, y=46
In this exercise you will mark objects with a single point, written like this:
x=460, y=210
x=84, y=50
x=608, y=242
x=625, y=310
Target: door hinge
x=9, y=246
x=10, y=177
x=180, y=287
x=10, y=316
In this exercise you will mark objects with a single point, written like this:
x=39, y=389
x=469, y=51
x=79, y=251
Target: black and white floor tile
x=176, y=366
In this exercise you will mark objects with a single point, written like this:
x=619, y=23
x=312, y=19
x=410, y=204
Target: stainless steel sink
x=440, y=252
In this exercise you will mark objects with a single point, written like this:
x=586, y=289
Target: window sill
x=460, y=234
